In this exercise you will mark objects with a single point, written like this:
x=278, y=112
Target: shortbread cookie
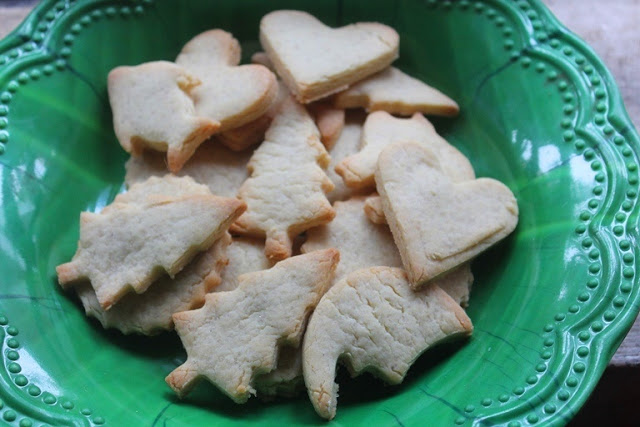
x=150, y=313
x=395, y=92
x=373, y=209
x=381, y=130
x=363, y=244
x=285, y=193
x=360, y=242
x=457, y=283
x=315, y=60
x=235, y=336
x=438, y=224
x=153, y=109
x=346, y=145
x=155, y=188
x=247, y=135
x=452, y=162
x=373, y=321
x=223, y=171
x=263, y=59
x=252, y=133
x=286, y=380
x=330, y=122
x=229, y=94
x=128, y=245
x=246, y=255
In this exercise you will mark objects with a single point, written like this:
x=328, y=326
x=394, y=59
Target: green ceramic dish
x=540, y=112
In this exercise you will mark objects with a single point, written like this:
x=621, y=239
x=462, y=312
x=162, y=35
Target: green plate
x=540, y=112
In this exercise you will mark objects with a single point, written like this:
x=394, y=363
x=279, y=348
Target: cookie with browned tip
x=235, y=336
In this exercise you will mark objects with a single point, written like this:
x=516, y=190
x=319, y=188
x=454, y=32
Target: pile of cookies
x=285, y=229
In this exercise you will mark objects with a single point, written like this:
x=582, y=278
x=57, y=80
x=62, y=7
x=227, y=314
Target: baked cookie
x=235, y=336
x=223, y=171
x=315, y=60
x=229, y=94
x=346, y=145
x=246, y=255
x=373, y=209
x=153, y=109
x=360, y=242
x=436, y=223
x=150, y=313
x=395, y=92
x=363, y=244
x=330, y=122
x=247, y=135
x=263, y=59
x=284, y=381
x=381, y=130
x=457, y=283
x=285, y=193
x=252, y=133
x=155, y=188
x=373, y=321
x=129, y=244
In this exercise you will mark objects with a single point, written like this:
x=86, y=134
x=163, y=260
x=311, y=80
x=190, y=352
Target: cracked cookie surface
x=373, y=321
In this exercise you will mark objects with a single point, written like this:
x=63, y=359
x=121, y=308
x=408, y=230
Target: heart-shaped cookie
x=438, y=224
x=315, y=60
x=230, y=94
x=380, y=130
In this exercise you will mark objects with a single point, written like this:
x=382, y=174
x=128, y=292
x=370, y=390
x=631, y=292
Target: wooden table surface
x=610, y=27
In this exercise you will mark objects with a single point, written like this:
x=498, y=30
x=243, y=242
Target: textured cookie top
x=291, y=135
x=156, y=187
x=153, y=109
x=236, y=334
x=221, y=170
x=150, y=312
x=375, y=322
x=229, y=94
x=360, y=242
x=285, y=193
x=252, y=133
x=246, y=255
x=213, y=48
x=315, y=60
x=382, y=130
x=132, y=242
x=438, y=224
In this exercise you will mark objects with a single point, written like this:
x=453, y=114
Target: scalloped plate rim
x=624, y=322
